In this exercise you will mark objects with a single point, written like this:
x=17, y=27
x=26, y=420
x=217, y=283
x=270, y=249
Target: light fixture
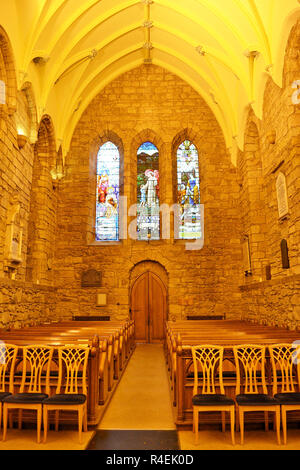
x=22, y=140
x=200, y=50
x=57, y=173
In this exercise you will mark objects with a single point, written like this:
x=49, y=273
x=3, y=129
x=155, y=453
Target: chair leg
x=241, y=421
x=80, y=420
x=85, y=420
x=232, y=415
x=56, y=419
x=0, y=415
x=20, y=417
x=39, y=423
x=196, y=424
x=237, y=425
x=45, y=413
x=277, y=413
x=10, y=420
x=223, y=421
x=266, y=421
x=284, y=424
x=5, y=413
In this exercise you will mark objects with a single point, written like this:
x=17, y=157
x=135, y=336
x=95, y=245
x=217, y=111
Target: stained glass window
x=188, y=191
x=107, y=193
x=148, y=218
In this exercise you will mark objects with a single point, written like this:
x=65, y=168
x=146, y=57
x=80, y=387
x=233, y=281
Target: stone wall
x=24, y=304
x=149, y=103
x=15, y=184
x=275, y=302
x=274, y=147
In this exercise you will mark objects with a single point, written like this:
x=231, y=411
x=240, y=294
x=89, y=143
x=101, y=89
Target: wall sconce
x=58, y=173
x=22, y=140
x=271, y=138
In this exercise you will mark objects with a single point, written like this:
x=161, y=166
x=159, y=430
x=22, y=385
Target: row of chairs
x=33, y=369
x=251, y=389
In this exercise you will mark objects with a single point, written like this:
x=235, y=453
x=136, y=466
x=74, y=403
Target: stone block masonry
x=166, y=111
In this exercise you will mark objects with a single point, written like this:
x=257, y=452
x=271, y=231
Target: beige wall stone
x=165, y=110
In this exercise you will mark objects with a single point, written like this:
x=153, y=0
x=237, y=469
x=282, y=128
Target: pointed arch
x=8, y=71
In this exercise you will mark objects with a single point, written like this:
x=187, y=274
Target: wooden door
x=148, y=307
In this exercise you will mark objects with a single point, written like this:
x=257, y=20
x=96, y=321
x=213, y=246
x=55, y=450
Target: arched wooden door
x=148, y=307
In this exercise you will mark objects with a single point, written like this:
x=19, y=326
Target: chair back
x=36, y=368
x=285, y=360
x=207, y=361
x=8, y=354
x=73, y=361
x=250, y=368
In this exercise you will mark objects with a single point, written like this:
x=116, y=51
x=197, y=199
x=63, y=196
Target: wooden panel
x=139, y=307
x=157, y=307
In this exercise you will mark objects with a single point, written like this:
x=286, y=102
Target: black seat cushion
x=226, y=374
x=66, y=399
x=26, y=398
x=256, y=399
x=211, y=400
x=288, y=398
x=4, y=395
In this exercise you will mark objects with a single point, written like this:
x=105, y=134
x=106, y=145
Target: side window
x=188, y=191
x=108, y=193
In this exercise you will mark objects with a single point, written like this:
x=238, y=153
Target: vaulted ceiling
x=70, y=49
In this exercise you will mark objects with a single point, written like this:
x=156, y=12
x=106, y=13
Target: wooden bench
x=110, y=350
x=180, y=336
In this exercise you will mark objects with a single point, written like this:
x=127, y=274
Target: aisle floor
x=142, y=399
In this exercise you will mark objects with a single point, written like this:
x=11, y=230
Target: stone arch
x=8, y=71
x=138, y=267
x=45, y=147
x=253, y=197
x=291, y=65
x=27, y=90
x=42, y=222
x=291, y=82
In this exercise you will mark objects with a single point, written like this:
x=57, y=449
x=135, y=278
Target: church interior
x=149, y=224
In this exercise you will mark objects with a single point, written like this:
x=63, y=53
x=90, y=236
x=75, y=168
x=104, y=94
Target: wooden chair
x=35, y=375
x=285, y=377
x=8, y=354
x=250, y=370
x=72, y=377
x=207, y=362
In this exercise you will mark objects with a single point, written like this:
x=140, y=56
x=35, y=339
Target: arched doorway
x=148, y=301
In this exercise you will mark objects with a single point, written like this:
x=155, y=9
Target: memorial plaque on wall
x=282, y=197
x=91, y=278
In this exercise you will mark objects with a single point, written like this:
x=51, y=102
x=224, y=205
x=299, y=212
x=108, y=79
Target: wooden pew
x=95, y=354
x=115, y=344
x=180, y=336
